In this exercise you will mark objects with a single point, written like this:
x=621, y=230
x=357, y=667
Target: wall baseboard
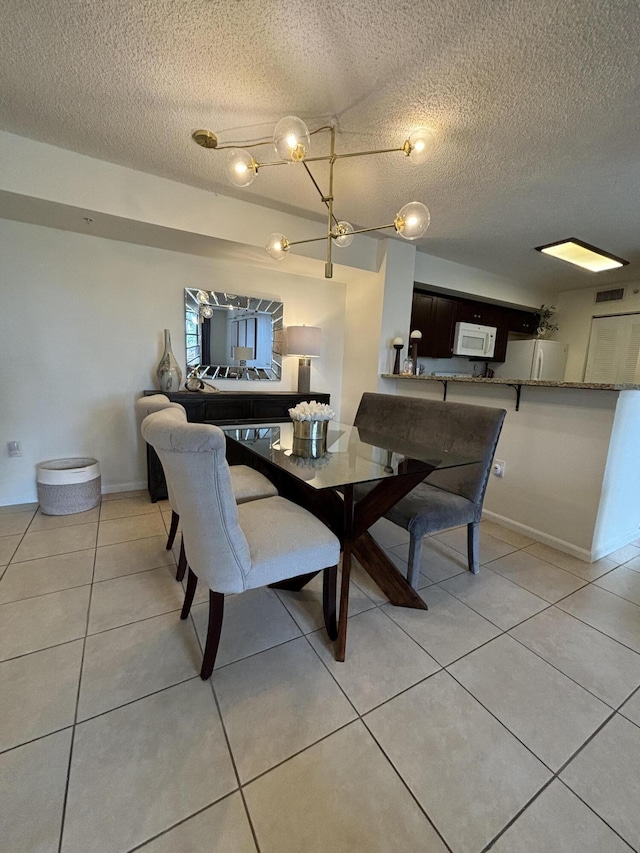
x=123, y=487
x=560, y=544
x=581, y=553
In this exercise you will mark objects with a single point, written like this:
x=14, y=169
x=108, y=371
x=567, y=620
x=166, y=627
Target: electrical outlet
x=14, y=448
x=499, y=467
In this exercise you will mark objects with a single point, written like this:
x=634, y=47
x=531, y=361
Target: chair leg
x=182, y=561
x=192, y=583
x=413, y=562
x=473, y=546
x=175, y=518
x=329, y=583
x=216, y=612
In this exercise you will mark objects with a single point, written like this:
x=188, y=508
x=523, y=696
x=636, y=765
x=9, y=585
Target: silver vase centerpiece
x=310, y=423
x=168, y=372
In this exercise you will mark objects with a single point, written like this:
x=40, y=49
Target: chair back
x=144, y=406
x=193, y=458
x=456, y=428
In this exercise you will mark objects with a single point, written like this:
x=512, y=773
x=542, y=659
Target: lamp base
x=304, y=375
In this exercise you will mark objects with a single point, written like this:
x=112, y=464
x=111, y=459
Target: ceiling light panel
x=582, y=255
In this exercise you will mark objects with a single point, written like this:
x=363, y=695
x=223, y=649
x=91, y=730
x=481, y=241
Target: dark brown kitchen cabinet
x=435, y=317
x=421, y=319
x=524, y=322
x=478, y=313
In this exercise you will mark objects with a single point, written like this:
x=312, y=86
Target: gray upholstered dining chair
x=449, y=497
x=232, y=547
x=247, y=484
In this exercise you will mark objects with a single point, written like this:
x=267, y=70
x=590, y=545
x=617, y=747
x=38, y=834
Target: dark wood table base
x=383, y=573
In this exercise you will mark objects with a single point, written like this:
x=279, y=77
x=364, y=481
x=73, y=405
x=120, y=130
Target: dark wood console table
x=225, y=407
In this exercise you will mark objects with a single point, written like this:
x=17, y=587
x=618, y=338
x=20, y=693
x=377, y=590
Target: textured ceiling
x=534, y=106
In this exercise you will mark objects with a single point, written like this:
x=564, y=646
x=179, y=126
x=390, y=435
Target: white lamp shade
x=242, y=353
x=304, y=341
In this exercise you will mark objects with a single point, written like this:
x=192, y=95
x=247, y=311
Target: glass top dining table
x=330, y=487
x=352, y=455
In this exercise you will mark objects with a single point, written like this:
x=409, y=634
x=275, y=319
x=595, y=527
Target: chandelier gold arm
x=320, y=193
x=208, y=139
x=334, y=234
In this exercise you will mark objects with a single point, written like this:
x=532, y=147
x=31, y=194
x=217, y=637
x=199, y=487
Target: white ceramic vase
x=168, y=373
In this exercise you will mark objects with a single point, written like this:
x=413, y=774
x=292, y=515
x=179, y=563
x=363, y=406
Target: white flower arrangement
x=312, y=411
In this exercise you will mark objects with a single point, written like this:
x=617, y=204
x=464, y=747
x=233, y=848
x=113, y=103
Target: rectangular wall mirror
x=233, y=337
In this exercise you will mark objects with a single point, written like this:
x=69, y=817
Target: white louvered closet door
x=629, y=364
x=614, y=349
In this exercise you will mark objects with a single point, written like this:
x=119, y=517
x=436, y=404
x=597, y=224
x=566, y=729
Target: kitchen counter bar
x=541, y=383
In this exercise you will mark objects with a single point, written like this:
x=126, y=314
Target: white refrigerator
x=537, y=359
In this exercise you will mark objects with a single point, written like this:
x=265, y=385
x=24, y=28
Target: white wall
x=576, y=308
x=363, y=319
x=81, y=330
x=459, y=278
x=619, y=512
x=398, y=269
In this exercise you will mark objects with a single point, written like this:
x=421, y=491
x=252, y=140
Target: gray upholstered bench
x=446, y=498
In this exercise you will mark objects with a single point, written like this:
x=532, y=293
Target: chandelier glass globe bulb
x=291, y=139
x=344, y=232
x=241, y=167
x=277, y=245
x=412, y=220
x=207, y=312
x=419, y=145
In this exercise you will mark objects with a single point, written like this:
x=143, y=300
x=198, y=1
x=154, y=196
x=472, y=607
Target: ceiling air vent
x=614, y=295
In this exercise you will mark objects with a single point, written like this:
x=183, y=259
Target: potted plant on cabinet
x=545, y=320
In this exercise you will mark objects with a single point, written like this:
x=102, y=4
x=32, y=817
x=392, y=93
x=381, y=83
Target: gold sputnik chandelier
x=292, y=142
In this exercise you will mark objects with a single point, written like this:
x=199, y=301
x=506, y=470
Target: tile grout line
x=63, y=815
x=518, y=814
x=180, y=822
x=22, y=535
x=555, y=773
x=612, y=592
x=406, y=785
x=600, y=631
x=549, y=604
x=359, y=717
x=599, y=816
x=557, y=668
x=228, y=743
x=35, y=739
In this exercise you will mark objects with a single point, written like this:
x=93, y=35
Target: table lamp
x=304, y=341
x=242, y=354
x=398, y=343
x=414, y=338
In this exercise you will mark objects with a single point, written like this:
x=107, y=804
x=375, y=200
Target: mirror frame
x=195, y=298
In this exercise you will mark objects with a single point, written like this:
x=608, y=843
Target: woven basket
x=66, y=486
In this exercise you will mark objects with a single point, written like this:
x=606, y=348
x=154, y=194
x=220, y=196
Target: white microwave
x=472, y=340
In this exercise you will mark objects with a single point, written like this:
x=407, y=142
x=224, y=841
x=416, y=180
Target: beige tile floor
x=506, y=717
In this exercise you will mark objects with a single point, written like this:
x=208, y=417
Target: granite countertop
x=544, y=383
